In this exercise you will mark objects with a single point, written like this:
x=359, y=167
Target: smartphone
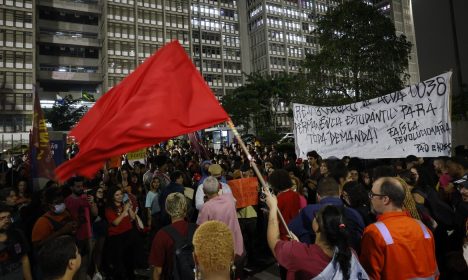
x=125, y=198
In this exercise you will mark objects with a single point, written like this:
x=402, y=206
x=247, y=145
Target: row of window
x=69, y=34
x=16, y=80
x=216, y=66
x=68, y=68
x=68, y=50
x=16, y=59
x=68, y=16
x=121, y=66
x=15, y=123
x=121, y=48
x=120, y=13
x=278, y=36
x=16, y=39
x=15, y=18
x=215, y=25
x=215, y=52
x=17, y=3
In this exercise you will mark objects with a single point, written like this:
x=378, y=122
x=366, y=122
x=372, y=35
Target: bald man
x=396, y=246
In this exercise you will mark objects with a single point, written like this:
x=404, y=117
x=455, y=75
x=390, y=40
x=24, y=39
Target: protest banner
x=412, y=121
x=139, y=155
x=245, y=191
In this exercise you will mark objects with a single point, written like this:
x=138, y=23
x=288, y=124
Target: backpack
x=57, y=225
x=440, y=211
x=183, y=263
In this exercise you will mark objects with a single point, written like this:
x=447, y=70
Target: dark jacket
x=301, y=225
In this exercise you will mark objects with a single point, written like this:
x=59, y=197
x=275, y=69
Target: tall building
x=208, y=30
x=17, y=52
x=68, y=48
x=401, y=13
x=280, y=32
x=73, y=47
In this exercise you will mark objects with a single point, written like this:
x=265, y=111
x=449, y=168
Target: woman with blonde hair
x=213, y=251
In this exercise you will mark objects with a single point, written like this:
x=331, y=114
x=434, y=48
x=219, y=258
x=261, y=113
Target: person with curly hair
x=213, y=251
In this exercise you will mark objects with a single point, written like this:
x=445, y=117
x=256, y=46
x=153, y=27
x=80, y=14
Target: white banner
x=413, y=121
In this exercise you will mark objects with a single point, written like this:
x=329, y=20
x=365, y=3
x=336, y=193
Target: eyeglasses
x=371, y=195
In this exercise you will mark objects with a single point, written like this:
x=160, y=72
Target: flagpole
x=255, y=168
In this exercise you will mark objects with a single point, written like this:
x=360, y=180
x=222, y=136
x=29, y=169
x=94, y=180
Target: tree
x=361, y=57
x=257, y=102
x=65, y=113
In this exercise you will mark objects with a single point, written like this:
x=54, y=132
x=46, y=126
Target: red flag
x=197, y=145
x=163, y=98
x=42, y=161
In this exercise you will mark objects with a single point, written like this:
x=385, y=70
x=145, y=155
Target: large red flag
x=164, y=97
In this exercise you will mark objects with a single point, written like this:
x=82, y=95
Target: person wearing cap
x=396, y=246
x=216, y=171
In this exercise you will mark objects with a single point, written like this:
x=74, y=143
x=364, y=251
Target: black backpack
x=183, y=263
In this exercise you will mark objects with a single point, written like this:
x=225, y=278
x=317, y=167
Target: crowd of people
x=175, y=216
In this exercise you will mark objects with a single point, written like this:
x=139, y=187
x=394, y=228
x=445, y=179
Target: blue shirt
x=301, y=225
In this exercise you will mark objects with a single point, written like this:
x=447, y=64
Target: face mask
x=59, y=208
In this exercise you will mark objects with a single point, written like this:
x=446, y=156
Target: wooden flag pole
x=257, y=171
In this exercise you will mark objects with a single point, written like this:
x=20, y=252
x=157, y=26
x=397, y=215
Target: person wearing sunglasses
x=396, y=240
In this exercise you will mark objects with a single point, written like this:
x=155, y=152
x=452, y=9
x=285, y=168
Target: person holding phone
x=120, y=215
x=81, y=206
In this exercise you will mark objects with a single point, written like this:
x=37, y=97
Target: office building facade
x=73, y=47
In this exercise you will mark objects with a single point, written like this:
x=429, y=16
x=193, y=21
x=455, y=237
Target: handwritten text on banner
x=413, y=121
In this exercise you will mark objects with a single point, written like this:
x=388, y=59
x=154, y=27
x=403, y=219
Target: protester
x=288, y=199
x=396, y=240
x=168, y=239
x=152, y=205
x=328, y=193
x=216, y=171
x=331, y=254
x=56, y=222
x=120, y=241
x=82, y=206
x=313, y=167
x=221, y=208
x=355, y=196
x=214, y=251
x=59, y=259
x=99, y=227
x=324, y=171
x=14, y=249
x=174, y=186
x=162, y=171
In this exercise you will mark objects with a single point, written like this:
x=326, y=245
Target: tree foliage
x=65, y=113
x=257, y=102
x=360, y=57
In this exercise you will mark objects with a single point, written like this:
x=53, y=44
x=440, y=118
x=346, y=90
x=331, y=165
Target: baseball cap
x=215, y=170
x=463, y=181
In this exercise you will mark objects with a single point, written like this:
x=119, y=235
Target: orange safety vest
x=398, y=247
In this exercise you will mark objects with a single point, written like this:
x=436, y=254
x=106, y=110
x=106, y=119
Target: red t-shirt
x=124, y=226
x=162, y=249
x=79, y=209
x=302, y=261
x=289, y=205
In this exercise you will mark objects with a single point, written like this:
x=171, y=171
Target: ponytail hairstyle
x=332, y=225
